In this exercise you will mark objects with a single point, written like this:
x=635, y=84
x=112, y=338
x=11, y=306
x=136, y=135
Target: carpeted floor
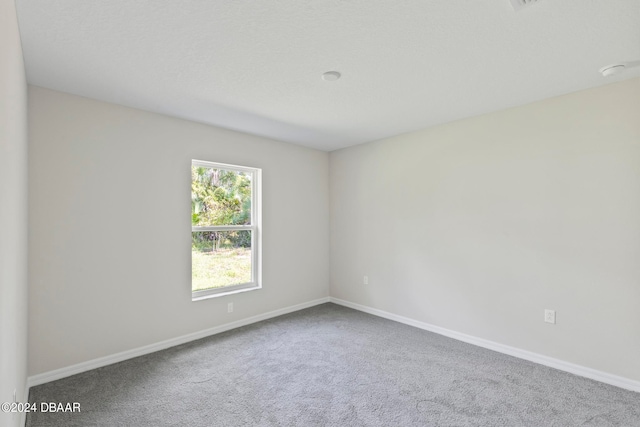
x=332, y=366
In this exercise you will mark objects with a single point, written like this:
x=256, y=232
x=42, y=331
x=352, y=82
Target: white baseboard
x=57, y=374
x=582, y=371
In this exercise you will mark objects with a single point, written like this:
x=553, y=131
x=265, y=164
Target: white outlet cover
x=550, y=316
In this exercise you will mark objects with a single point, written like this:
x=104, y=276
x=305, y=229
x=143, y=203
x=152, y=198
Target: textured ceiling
x=256, y=66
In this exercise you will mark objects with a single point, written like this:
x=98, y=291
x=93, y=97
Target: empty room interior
x=417, y=213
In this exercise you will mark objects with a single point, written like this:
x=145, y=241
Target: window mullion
x=222, y=228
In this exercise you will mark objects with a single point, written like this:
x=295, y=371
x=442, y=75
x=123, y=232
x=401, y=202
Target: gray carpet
x=332, y=366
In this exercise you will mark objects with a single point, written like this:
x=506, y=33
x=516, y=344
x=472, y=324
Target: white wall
x=13, y=214
x=109, y=196
x=479, y=225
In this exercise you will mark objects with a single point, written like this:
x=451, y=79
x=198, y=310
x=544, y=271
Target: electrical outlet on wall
x=550, y=316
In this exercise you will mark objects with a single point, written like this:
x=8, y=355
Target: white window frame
x=255, y=228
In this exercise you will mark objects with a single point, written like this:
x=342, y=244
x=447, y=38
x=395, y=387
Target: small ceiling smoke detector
x=519, y=4
x=611, y=70
x=331, y=76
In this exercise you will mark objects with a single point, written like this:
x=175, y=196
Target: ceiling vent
x=519, y=4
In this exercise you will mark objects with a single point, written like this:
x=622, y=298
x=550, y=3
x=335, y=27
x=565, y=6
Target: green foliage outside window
x=220, y=197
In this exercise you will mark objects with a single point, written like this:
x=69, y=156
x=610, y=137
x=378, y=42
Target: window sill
x=197, y=296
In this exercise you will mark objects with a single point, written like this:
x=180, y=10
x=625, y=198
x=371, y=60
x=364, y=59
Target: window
x=225, y=229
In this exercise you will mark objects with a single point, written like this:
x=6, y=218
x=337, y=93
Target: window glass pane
x=220, y=258
x=220, y=197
